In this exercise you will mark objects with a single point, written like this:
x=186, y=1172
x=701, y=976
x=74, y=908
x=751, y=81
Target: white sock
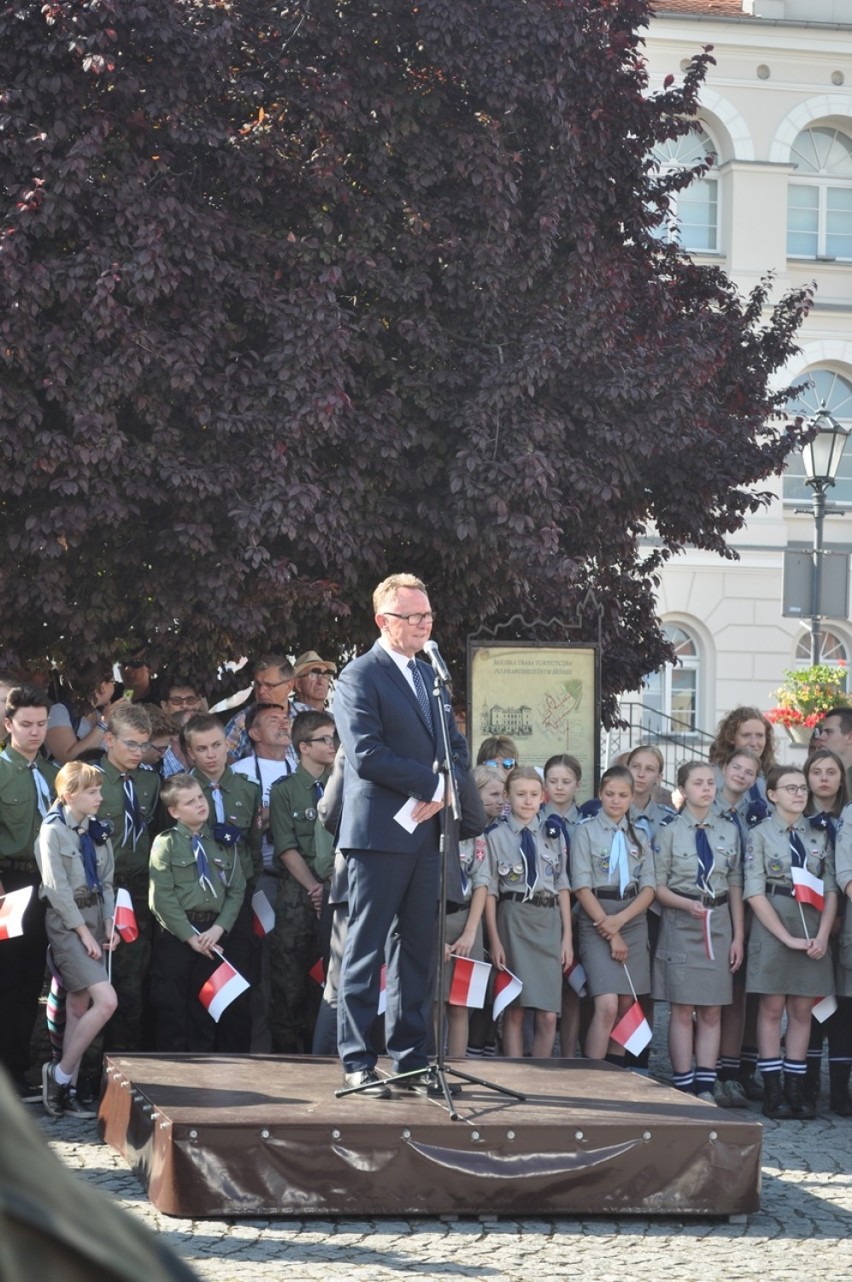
x=62, y=1078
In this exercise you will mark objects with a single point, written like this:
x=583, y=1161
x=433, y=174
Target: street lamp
x=821, y=458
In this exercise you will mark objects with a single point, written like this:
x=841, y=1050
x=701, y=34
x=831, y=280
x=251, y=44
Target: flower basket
x=806, y=696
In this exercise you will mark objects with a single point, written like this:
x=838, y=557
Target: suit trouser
x=22, y=965
x=388, y=889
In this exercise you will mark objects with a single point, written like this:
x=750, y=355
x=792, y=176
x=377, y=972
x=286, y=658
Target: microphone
x=433, y=654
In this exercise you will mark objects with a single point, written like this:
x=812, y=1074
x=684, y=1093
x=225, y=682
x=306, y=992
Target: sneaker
x=27, y=1094
x=730, y=1094
x=53, y=1095
x=75, y=1107
x=706, y=1097
x=426, y=1083
x=369, y=1079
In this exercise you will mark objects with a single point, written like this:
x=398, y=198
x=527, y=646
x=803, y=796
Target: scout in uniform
x=129, y=803
x=789, y=963
x=196, y=893
x=612, y=876
x=234, y=808
x=699, y=886
x=26, y=791
x=305, y=852
x=528, y=911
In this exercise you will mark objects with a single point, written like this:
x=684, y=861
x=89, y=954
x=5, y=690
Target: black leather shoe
x=376, y=1088
x=426, y=1083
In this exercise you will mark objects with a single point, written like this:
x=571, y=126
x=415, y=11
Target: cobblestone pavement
x=803, y=1230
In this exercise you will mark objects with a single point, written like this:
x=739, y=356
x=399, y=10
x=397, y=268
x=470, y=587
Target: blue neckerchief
x=757, y=809
x=87, y=846
x=227, y=834
x=589, y=808
x=554, y=825
x=798, y=854
x=202, y=864
x=134, y=825
x=706, y=861
x=618, y=860
x=736, y=818
x=826, y=823
x=528, y=848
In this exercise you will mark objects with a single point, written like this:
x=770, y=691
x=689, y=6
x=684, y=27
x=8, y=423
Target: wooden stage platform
x=220, y=1135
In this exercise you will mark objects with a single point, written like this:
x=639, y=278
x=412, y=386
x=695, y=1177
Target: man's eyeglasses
x=416, y=619
x=132, y=746
x=327, y=739
x=271, y=685
x=160, y=748
x=184, y=700
x=505, y=762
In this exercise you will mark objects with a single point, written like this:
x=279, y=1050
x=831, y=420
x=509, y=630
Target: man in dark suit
x=385, y=716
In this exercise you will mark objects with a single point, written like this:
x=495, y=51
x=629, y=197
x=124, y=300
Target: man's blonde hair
x=386, y=593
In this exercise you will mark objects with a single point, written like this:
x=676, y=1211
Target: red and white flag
x=469, y=982
x=223, y=987
x=317, y=972
x=807, y=888
x=125, y=917
x=632, y=1031
x=12, y=909
x=823, y=1007
x=262, y=915
x=383, y=990
x=576, y=976
x=506, y=988
x=708, y=935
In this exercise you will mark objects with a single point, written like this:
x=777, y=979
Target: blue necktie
x=798, y=854
x=618, y=859
x=706, y=861
x=528, y=848
x=133, y=824
x=201, y=863
x=420, y=691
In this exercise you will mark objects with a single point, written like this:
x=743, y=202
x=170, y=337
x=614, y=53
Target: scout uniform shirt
x=131, y=864
x=175, y=886
x=63, y=873
x=590, y=850
x=20, y=817
x=239, y=802
x=293, y=820
x=509, y=872
x=769, y=856
x=676, y=857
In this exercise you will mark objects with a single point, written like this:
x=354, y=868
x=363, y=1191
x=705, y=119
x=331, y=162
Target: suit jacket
x=390, y=753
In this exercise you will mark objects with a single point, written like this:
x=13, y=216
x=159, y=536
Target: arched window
x=693, y=219
x=835, y=392
x=819, y=202
x=832, y=651
x=672, y=692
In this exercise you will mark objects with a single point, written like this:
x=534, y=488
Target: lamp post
x=821, y=458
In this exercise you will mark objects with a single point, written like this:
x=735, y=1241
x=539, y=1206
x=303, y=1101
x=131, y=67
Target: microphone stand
x=440, y=707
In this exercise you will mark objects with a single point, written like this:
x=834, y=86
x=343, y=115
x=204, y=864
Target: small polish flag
x=125, y=917
x=576, y=976
x=506, y=988
x=223, y=987
x=317, y=972
x=823, y=1007
x=708, y=935
x=12, y=909
x=383, y=990
x=632, y=1031
x=469, y=982
x=807, y=888
x=263, y=915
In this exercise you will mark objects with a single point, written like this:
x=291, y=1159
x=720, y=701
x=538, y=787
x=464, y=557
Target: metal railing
x=643, y=724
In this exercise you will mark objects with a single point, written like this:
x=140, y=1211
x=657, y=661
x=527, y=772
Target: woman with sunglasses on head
x=789, y=963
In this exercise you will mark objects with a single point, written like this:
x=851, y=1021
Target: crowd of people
x=298, y=845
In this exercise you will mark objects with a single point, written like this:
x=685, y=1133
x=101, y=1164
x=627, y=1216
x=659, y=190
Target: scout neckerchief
x=87, y=845
x=827, y=823
x=706, y=860
x=757, y=808
x=618, y=860
x=528, y=849
x=227, y=834
x=201, y=864
x=134, y=824
x=798, y=854
x=556, y=824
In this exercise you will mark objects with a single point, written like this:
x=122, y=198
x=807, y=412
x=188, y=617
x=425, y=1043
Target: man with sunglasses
x=129, y=802
x=385, y=716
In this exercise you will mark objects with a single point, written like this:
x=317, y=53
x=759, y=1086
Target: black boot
x=838, y=1080
x=774, y=1103
x=811, y=1083
x=751, y=1082
x=794, y=1091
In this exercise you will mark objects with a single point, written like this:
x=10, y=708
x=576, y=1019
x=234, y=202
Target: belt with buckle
x=538, y=901
x=605, y=893
x=777, y=888
x=707, y=900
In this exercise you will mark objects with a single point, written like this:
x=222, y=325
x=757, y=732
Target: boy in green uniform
x=196, y=893
x=129, y=802
x=305, y=853
x=234, y=809
x=26, y=793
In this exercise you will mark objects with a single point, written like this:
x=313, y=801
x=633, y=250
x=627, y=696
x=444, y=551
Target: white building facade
x=776, y=111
